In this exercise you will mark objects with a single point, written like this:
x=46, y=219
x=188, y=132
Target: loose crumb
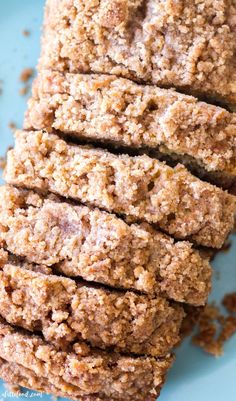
x=12, y=126
x=214, y=329
x=229, y=302
x=2, y=162
x=25, y=77
x=24, y=90
x=207, y=331
x=26, y=74
x=229, y=329
x=26, y=33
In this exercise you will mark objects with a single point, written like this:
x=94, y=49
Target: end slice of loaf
x=171, y=43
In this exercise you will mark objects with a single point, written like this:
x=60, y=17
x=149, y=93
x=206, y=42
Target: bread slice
x=140, y=188
x=173, y=43
x=66, y=311
x=81, y=373
x=117, y=111
x=83, y=242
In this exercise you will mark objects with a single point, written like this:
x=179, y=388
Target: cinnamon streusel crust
x=82, y=373
x=190, y=45
x=83, y=242
x=118, y=111
x=67, y=311
x=141, y=188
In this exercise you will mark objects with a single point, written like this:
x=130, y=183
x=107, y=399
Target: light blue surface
x=195, y=375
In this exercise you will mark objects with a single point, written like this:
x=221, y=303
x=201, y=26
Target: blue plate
x=195, y=375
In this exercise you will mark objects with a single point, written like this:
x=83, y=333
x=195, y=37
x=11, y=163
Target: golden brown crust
x=84, y=371
x=138, y=187
x=186, y=44
x=66, y=311
x=83, y=242
x=116, y=110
